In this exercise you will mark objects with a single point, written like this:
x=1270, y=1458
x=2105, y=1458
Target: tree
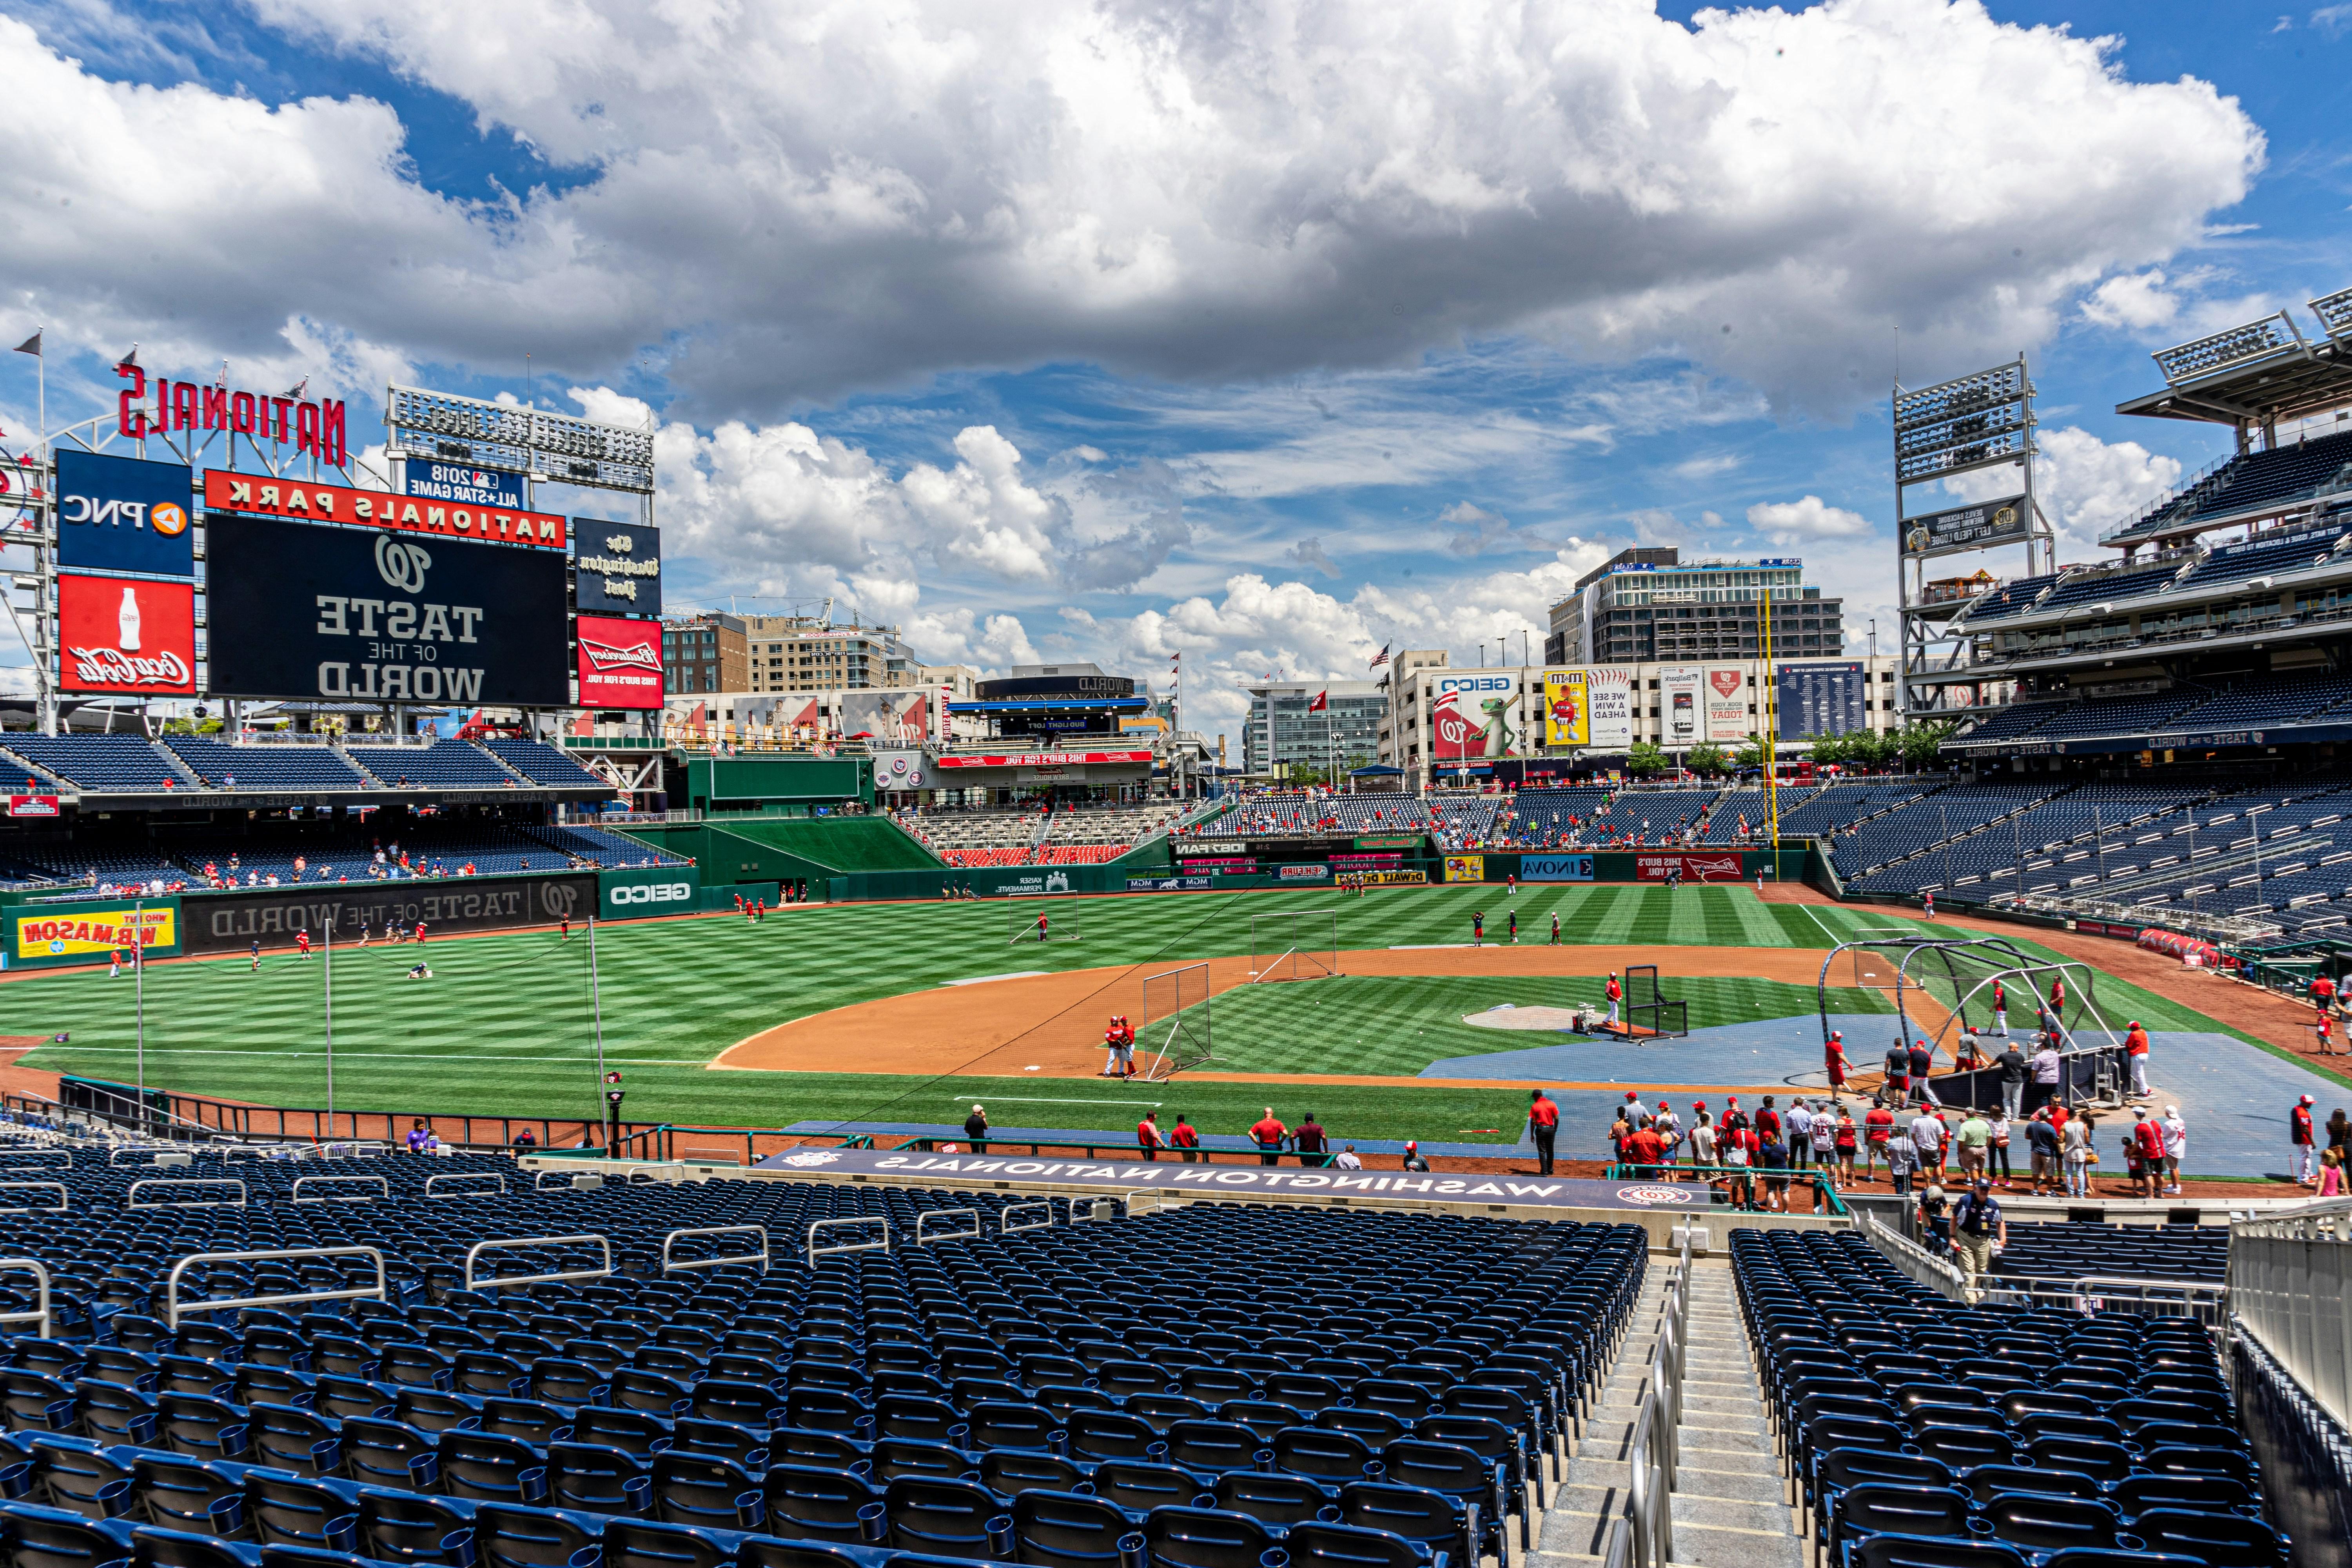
x=1826, y=750
x=1707, y=759
x=1645, y=760
x=1918, y=743
x=1749, y=755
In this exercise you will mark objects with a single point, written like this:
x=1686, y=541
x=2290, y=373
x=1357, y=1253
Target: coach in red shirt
x=1543, y=1124
x=1268, y=1135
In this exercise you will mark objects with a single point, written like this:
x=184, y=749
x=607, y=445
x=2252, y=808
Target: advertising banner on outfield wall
x=1611, y=692
x=1555, y=867
x=90, y=932
x=1169, y=884
x=297, y=610
x=126, y=637
x=1724, y=867
x=1465, y=868
x=229, y=922
x=120, y=514
x=1470, y=717
x=1726, y=705
x=642, y=890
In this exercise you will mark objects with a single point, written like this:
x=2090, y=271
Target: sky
x=1272, y=334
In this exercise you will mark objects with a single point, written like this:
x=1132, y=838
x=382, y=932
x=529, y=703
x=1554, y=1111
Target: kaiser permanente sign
x=1174, y=1176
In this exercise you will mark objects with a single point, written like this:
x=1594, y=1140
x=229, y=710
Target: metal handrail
x=1004, y=1225
x=383, y=1184
x=480, y=1248
x=2206, y=1303
x=465, y=1176
x=65, y=1196
x=923, y=1238
x=815, y=1252
x=759, y=1257
x=172, y=1307
x=131, y=1193
x=39, y=1314
x=1146, y=1200
x=1914, y=1260
x=1095, y=1209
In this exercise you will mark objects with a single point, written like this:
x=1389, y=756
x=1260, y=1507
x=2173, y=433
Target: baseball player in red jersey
x=303, y=943
x=1616, y=994
x=420, y=932
x=1833, y=1051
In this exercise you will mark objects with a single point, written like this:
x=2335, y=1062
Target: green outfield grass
x=505, y=1026
x=1394, y=1026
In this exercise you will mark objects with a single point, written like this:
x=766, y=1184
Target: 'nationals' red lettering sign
x=226, y=490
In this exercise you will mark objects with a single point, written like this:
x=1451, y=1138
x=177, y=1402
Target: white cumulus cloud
x=1807, y=517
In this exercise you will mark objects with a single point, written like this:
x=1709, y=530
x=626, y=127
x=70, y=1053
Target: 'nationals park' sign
x=1170, y=1174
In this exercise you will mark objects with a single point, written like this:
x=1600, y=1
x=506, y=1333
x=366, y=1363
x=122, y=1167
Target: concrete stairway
x=1729, y=1503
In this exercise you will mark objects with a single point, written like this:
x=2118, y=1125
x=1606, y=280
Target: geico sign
x=1478, y=683
x=651, y=893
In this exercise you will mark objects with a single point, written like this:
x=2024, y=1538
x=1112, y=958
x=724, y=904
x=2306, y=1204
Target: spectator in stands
x=1347, y=1160
x=1185, y=1139
x=526, y=1139
x=1976, y=1145
x=1270, y=1136
x=1772, y=1159
x=2302, y=1167
x=1897, y=1088
x=1902, y=1159
x=1877, y=1129
x=2043, y=1151
x=1314, y=1148
x=2146, y=1142
x=1922, y=1062
x=2176, y=1147
x=1841, y=1141
x=2046, y=1068
x=1543, y=1126
x=416, y=1136
x=1642, y=1149
x=1147, y=1141
x=2135, y=1052
x=1929, y=1137
x=1702, y=1137
x=2010, y=1064
x=1997, y=1150
x=2080, y=1155
x=1413, y=1158
x=975, y=1128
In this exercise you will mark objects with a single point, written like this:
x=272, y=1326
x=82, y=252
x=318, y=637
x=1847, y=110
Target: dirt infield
x=1053, y=1023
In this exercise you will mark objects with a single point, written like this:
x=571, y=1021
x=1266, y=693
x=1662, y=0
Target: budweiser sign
x=620, y=662
x=1719, y=867
x=117, y=635
x=226, y=490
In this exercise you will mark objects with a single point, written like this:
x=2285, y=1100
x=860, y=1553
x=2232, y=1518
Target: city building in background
x=1288, y=732
x=706, y=652
x=1453, y=725
x=1646, y=605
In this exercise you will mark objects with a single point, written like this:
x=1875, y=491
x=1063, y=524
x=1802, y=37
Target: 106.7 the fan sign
x=126, y=637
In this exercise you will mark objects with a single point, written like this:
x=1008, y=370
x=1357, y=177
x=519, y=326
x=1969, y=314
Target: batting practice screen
x=301, y=610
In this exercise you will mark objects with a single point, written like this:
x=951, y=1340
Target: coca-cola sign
x=128, y=637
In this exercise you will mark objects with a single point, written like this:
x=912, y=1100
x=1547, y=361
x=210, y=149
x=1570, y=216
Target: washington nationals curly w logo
x=400, y=564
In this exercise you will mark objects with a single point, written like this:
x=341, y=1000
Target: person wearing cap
x=2304, y=1165
x=1616, y=994
x=1923, y=1061
x=975, y=1127
x=1701, y=1135
x=1979, y=1230
x=2176, y=1148
x=1414, y=1159
x=2000, y=1010
x=1898, y=1073
x=2146, y=1139
x=2135, y=1052
x=1670, y=1140
x=1834, y=1055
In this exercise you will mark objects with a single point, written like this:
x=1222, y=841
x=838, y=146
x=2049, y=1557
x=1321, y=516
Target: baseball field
x=910, y=1013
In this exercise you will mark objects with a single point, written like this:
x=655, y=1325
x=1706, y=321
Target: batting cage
x=1045, y=917
x=1174, y=1034
x=1650, y=1013
x=1299, y=944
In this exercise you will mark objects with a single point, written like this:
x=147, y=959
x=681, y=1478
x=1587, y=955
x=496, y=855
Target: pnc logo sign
x=650, y=893
x=124, y=514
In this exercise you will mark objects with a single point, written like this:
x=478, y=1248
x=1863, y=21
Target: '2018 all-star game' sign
x=264, y=495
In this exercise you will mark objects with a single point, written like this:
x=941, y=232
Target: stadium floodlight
x=515, y=439
x=2274, y=334
x=2335, y=313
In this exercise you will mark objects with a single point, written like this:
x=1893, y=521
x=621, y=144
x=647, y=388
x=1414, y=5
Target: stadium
x=872, y=1128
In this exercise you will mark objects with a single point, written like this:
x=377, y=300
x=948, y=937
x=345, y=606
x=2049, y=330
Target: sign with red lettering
x=227, y=490
x=1723, y=868
x=1043, y=758
x=620, y=663
x=314, y=426
x=126, y=637
x=32, y=805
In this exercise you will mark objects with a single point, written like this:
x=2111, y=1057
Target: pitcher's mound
x=1553, y=1019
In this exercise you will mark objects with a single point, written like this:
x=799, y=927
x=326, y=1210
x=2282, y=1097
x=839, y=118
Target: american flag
x=1381, y=658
